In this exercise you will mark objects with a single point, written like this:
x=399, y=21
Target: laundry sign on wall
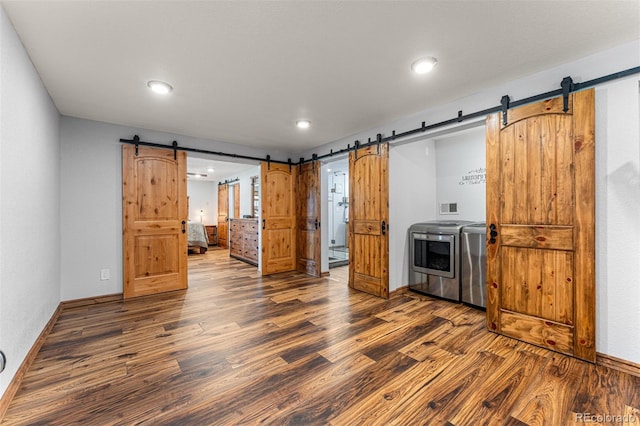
x=474, y=177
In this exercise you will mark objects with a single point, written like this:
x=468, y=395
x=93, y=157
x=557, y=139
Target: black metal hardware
x=175, y=149
x=289, y=162
x=268, y=162
x=378, y=140
x=314, y=157
x=316, y=223
x=504, y=101
x=183, y=227
x=459, y=116
x=226, y=219
x=355, y=148
x=136, y=138
x=393, y=135
x=264, y=223
x=492, y=233
x=423, y=127
x=383, y=228
x=567, y=87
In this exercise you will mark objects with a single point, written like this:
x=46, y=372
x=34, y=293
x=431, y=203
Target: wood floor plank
x=239, y=348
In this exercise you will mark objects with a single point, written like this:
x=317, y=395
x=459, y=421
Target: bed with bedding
x=197, y=238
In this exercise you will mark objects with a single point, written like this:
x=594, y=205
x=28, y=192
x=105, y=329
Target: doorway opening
x=221, y=194
x=338, y=212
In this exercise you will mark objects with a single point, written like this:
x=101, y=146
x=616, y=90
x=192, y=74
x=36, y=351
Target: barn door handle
x=316, y=223
x=492, y=233
x=264, y=223
x=384, y=228
x=183, y=226
x=226, y=219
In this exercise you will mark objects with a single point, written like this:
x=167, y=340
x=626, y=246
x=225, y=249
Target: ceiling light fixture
x=210, y=169
x=303, y=124
x=424, y=65
x=160, y=87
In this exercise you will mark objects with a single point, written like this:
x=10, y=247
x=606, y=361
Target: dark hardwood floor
x=236, y=348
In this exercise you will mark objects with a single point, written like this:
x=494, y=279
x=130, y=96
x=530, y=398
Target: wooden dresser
x=243, y=240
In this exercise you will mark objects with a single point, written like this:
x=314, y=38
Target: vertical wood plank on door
x=498, y=199
x=564, y=208
x=584, y=223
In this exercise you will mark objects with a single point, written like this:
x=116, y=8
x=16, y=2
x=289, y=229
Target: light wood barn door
x=278, y=217
x=236, y=200
x=541, y=210
x=369, y=220
x=308, y=208
x=154, y=204
x=223, y=215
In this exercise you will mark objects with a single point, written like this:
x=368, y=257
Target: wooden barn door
x=369, y=220
x=223, y=215
x=154, y=204
x=278, y=217
x=540, y=224
x=236, y=200
x=308, y=211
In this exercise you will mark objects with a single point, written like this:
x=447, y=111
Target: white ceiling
x=244, y=71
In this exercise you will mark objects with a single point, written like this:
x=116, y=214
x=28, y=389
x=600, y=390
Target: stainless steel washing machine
x=434, y=264
x=473, y=272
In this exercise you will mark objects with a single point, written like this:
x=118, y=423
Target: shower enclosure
x=338, y=217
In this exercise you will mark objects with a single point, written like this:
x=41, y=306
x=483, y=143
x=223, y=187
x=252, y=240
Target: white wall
x=617, y=224
x=203, y=195
x=91, y=200
x=246, y=197
x=412, y=194
x=461, y=174
x=29, y=203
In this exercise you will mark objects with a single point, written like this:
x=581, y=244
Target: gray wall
x=91, y=200
x=29, y=203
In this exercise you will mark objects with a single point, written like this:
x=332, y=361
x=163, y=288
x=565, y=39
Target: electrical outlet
x=104, y=274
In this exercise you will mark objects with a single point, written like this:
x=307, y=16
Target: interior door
x=278, y=217
x=154, y=204
x=223, y=215
x=236, y=200
x=308, y=211
x=541, y=224
x=369, y=220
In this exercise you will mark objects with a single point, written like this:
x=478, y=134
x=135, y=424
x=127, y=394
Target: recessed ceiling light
x=160, y=87
x=197, y=175
x=424, y=65
x=303, y=124
x=328, y=169
x=210, y=169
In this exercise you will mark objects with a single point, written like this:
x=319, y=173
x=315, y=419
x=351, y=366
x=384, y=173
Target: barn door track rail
x=567, y=86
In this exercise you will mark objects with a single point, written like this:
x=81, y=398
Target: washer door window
x=433, y=254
